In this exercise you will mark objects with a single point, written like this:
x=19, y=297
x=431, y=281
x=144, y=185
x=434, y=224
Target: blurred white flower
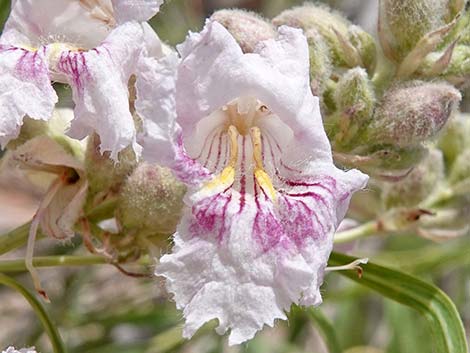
x=12, y=349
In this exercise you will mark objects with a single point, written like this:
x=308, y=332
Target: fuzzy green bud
x=104, y=175
x=350, y=46
x=248, y=28
x=418, y=185
x=455, y=137
x=461, y=168
x=320, y=63
x=403, y=24
x=458, y=70
x=411, y=113
x=54, y=128
x=355, y=101
x=365, y=45
x=151, y=201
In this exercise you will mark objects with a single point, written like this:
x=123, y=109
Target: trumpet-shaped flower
x=93, y=45
x=245, y=132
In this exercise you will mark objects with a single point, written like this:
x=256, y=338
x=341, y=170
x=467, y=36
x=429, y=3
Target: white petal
x=33, y=23
x=25, y=89
x=227, y=279
x=245, y=262
x=99, y=80
x=135, y=10
x=277, y=74
x=12, y=349
x=156, y=106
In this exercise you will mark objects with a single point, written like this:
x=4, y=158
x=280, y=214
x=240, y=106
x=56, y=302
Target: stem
x=362, y=231
x=49, y=327
x=16, y=238
x=18, y=265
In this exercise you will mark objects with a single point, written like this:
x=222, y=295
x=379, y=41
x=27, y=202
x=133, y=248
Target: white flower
x=93, y=45
x=12, y=349
x=246, y=133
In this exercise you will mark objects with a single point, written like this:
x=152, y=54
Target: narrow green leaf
x=430, y=301
x=4, y=10
x=326, y=330
x=49, y=327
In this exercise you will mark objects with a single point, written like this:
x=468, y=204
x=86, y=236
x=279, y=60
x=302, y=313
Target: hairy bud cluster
x=404, y=24
x=350, y=46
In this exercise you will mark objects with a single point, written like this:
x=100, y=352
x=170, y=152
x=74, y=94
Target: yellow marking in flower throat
x=227, y=176
x=261, y=176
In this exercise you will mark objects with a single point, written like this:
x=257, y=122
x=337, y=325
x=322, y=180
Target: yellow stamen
x=227, y=176
x=261, y=176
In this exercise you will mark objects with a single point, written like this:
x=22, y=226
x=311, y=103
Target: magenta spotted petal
x=25, y=89
x=93, y=45
x=246, y=134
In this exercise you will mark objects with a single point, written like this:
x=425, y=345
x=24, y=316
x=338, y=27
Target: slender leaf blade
x=430, y=301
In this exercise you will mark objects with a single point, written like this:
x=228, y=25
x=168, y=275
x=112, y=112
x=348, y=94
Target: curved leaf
x=430, y=301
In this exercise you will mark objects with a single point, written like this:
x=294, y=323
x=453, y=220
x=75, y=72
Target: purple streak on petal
x=219, y=152
x=188, y=170
x=209, y=216
x=31, y=66
x=267, y=230
x=301, y=221
x=74, y=65
x=243, y=176
x=209, y=153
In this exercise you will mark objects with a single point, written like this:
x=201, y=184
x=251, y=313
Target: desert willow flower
x=245, y=133
x=92, y=45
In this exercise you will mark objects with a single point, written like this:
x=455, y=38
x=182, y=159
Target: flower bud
x=365, y=45
x=458, y=70
x=151, y=200
x=403, y=24
x=460, y=171
x=248, y=28
x=350, y=46
x=355, y=101
x=455, y=137
x=104, y=175
x=55, y=127
x=417, y=185
x=411, y=113
x=30, y=129
x=320, y=63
